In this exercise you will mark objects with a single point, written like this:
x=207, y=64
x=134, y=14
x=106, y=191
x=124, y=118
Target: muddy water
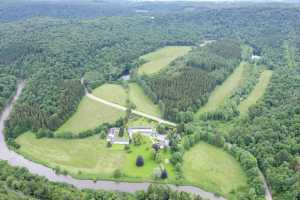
x=15, y=159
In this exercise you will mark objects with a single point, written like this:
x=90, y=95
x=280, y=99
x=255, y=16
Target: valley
x=149, y=100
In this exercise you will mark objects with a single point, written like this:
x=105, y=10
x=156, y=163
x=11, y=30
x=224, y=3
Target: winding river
x=15, y=159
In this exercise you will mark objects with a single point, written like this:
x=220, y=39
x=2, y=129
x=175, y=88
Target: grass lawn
x=161, y=58
x=112, y=92
x=142, y=102
x=222, y=92
x=90, y=114
x=213, y=169
x=91, y=157
x=257, y=92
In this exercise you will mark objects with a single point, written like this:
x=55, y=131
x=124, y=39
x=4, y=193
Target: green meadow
x=161, y=58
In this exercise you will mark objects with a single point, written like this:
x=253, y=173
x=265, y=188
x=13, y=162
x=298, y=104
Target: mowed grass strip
x=257, y=92
x=90, y=114
x=213, y=169
x=112, y=92
x=142, y=102
x=222, y=92
x=161, y=58
x=89, y=158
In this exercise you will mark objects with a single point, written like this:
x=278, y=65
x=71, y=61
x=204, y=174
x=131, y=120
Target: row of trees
x=229, y=109
x=17, y=183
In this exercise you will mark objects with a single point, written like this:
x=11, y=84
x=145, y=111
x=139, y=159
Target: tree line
x=186, y=85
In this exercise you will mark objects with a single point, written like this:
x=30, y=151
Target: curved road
x=15, y=159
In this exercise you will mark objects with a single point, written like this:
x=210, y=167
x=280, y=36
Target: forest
x=8, y=85
x=54, y=51
x=186, y=84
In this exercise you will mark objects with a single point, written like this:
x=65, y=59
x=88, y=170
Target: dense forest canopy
x=187, y=83
x=53, y=51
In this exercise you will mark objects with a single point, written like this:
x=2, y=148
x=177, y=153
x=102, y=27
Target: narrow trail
x=268, y=194
x=123, y=108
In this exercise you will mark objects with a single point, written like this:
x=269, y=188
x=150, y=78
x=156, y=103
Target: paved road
x=159, y=120
x=16, y=159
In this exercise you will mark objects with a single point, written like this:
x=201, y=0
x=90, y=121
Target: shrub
x=108, y=145
x=126, y=147
x=139, y=161
x=117, y=173
x=157, y=173
x=164, y=174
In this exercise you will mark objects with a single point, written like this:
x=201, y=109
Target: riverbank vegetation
x=17, y=183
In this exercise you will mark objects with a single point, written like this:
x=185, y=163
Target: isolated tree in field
x=139, y=161
x=108, y=144
x=164, y=174
x=117, y=173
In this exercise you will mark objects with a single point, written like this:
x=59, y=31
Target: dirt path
x=117, y=106
x=15, y=159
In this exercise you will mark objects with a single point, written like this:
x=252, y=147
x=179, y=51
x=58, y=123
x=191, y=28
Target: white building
x=152, y=133
x=113, y=138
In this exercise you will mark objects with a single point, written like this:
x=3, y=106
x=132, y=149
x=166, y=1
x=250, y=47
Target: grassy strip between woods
x=257, y=92
x=90, y=114
x=142, y=102
x=222, y=92
x=213, y=169
x=161, y=58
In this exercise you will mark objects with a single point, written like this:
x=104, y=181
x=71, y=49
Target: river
x=15, y=159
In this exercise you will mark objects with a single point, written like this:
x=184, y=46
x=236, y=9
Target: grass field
x=91, y=157
x=112, y=92
x=204, y=165
x=117, y=94
x=89, y=114
x=257, y=91
x=222, y=92
x=161, y=58
x=142, y=102
x=213, y=169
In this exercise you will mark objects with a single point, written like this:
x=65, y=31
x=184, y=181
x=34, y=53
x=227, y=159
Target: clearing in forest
x=111, y=92
x=257, y=92
x=90, y=114
x=161, y=58
x=90, y=158
x=213, y=169
x=142, y=102
x=118, y=94
x=222, y=92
